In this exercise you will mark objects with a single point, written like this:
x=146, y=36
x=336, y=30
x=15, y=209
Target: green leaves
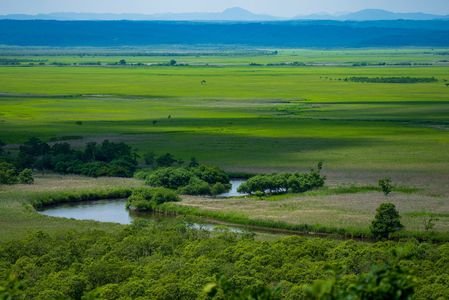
x=386, y=221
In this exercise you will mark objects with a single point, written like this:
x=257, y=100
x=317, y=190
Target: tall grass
x=317, y=230
x=42, y=200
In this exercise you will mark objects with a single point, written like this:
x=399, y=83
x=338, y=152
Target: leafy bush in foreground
x=284, y=182
x=153, y=260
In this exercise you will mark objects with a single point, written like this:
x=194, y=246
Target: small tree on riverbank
x=386, y=186
x=386, y=221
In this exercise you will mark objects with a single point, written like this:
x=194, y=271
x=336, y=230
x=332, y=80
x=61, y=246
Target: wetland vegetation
x=149, y=131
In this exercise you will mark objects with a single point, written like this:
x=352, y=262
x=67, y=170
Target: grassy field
x=248, y=118
x=222, y=56
x=18, y=217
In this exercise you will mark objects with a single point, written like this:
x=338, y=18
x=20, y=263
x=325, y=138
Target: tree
x=149, y=158
x=8, y=174
x=193, y=163
x=386, y=281
x=386, y=186
x=429, y=222
x=172, y=62
x=386, y=221
x=122, y=62
x=26, y=177
x=2, y=144
x=166, y=160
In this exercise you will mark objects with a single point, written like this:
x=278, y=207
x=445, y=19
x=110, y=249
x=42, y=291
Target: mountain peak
x=236, y=9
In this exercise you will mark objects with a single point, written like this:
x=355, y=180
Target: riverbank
x=327, y=212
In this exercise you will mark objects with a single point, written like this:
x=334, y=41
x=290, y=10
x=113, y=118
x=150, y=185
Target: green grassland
x=223, y=56
x=254, y=119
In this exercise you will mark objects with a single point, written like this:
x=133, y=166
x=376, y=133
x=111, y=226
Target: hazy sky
x=285, y=8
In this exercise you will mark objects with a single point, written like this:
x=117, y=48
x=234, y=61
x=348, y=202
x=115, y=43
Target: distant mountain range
x=373, y=15
x=230, y=14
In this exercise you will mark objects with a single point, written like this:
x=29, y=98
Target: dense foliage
x=392, y=79
x=386, y=186
x=284, y=182
x=386, y=221
x=148, y=199
x=106, y=159
x=162, y=261
x=199, y=180
x=10, y=175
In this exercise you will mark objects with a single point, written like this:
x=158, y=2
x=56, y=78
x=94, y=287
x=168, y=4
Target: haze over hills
x=230, y=14
x=373, y=15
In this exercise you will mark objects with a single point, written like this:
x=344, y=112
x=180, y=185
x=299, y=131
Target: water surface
x=114, y=211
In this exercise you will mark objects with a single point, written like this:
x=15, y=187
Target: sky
x=281, y=8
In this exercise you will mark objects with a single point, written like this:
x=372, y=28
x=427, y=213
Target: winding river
x=114, y=211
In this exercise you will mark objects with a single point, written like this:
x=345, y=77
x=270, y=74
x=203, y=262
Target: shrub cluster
x=106, y=159
x=10, y=175
x=392, y=79
x=41, y=200
x=154, y=260
x=200, y=180
x=284, y=182
x=148, y=199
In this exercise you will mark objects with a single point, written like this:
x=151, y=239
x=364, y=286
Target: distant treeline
x=392, y=79
x=325, y=34
x=104, y=159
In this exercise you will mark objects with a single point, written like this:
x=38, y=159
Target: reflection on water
x=235, y=185
x=102, y=210
x=114, y=211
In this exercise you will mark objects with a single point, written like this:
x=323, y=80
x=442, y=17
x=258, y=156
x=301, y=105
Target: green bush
x=219, y=188
x=386, y=221
x=165, y=260
x=161, y=196
x=8, y=174
x=149, y=158
x=386, y=281
x=386, y=186
x=196, y=186
x=166, y=160
x=188, y=181
x=284, y=182
x=26, y=177
x=148, y=199
x=392, y=79
x=172, y=178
